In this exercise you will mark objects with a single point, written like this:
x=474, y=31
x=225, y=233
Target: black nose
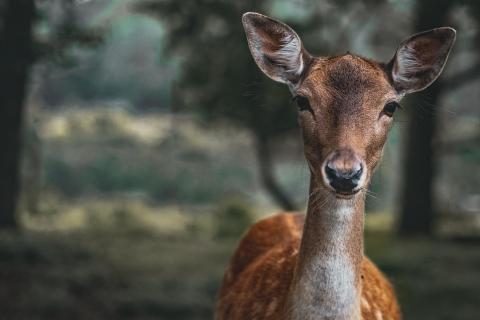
x=343, y=180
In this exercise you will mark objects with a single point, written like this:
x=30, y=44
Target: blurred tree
x=59, y=29
x=417, y=212
x=417, y=204
x=219, y=79
x=16, y=49
x=56, y=30
x=20, y=47
x=125, y=64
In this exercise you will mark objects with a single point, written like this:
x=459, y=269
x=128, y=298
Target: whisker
x=372, y=196
x=316, y=201
x=313, y=192
x=321, y=204
x=372, y=192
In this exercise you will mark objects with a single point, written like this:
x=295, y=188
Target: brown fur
x=289, y=267
x=256, y=283
x=347, y=93
x=275, y=257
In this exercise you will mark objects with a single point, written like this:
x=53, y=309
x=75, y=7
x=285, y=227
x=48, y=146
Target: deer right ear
x=275, y=47
x=420, y=59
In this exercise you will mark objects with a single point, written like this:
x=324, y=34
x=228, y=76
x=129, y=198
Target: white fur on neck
x=326, y=287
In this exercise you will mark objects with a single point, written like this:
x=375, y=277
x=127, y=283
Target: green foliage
x=218, y=78
x=85, y=59
x=121, y=218
x=232, y=218
x=97, y=153
x=111, y=174
x=58, y=29
x=59, y=174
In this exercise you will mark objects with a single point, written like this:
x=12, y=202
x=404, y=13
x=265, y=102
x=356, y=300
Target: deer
x=304, y=267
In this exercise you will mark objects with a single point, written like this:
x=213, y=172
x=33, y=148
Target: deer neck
x=327, y=278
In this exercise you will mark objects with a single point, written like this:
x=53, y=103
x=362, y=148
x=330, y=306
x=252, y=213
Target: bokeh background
x=139, y=141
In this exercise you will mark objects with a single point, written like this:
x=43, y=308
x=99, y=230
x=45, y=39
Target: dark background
x=139, y=141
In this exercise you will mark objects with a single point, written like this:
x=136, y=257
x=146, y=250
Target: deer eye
x=302, y=103
x=390, y=108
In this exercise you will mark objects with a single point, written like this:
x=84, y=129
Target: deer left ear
x=420, y=59
x=275, y=47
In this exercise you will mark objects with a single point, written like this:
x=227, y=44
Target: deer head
x=345, y=103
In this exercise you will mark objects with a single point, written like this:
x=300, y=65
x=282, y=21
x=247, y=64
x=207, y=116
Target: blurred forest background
x=139, y=141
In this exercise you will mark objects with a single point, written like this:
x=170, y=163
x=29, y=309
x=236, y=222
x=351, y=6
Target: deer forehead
x=347, y=83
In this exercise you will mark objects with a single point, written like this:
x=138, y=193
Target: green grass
x=143, y=270
x=109, y=276
x=434, y=279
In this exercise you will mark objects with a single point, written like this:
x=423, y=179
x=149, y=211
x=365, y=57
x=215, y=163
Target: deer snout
x=344, y=172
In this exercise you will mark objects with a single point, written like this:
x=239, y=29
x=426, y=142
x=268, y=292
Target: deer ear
x=275, y=47
x=420, y=59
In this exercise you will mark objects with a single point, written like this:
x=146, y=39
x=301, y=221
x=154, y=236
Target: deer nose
x=344, y=172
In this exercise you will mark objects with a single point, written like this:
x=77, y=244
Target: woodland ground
x=129, y=265
x=104, y=245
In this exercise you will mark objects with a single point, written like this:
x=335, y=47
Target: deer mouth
x=345, y=195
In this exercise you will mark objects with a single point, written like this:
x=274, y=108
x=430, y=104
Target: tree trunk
x=417, y=215
x=16, y=56
x=264, y=156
